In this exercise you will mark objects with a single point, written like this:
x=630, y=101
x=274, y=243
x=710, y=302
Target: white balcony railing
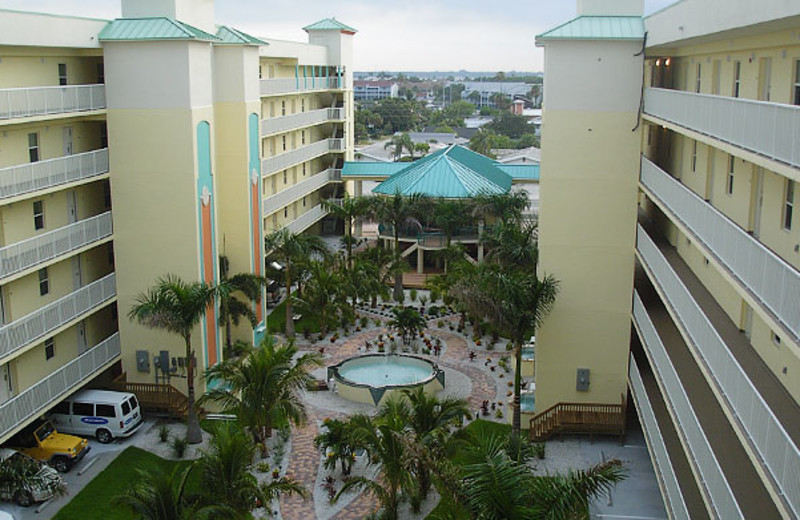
x=299, y=190
x=276, y=125
x=28, y=253
x=715, y=485
x=40, y=101
x=38, y=324
x=307, y=219
x=772, y=443
x=25, y=178
x=300, y=155
x=768, y=129
x=32, y=401
x=773, y=281
x=271, y=87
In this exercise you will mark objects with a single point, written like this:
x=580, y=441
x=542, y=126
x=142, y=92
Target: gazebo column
x=480, y=243
x=357, y=192
x=420, y=260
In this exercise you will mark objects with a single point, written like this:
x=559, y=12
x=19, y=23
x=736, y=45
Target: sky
x=412, y=35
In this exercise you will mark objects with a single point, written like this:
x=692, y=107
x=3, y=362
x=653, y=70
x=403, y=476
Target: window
x=105, y=410
x=304, y=202
x=49, y=349
x=303, y=105
x=283, y=108
x=260, y=72
x=126, y=408
x=62, y=408
x=699, y=75
x=101, y=73
x=62, y=73
x=85, y=409
x=788, y=205
x=38, y=215
x=737, y=77
x=44, y=282
x=106, y=195
x=285, y=212
x=284, y=176
x=303, y=137
x=283, y=140
x=775, y=339
x=729, y=182
x=694, y=156
x=304, y=169
x=796, y=99
x=33, y=147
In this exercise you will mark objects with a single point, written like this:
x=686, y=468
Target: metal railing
x=307, y=219
x=775, y=448
x=38, y=324
x=271, y=87
x=768, y=129
x=773, y=281
x=39, y=101
x=336, y=145
x=28, y=253
x=35, y=399
x=299, y=155
x=299, y=190
x=714, y=484
x=25, y=178
x=279, y=124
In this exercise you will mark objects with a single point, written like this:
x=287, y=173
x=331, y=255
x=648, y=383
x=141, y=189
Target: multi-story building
x=674, y=236
x=143, y=146
x=364, y=90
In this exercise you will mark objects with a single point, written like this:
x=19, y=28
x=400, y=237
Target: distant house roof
x=330, y=24
x=445, y=138
x=597, y=28
x=510, y=88
x=453, y=173
x=372, y=168
x=235, y=36
x=156, y=28
x=521, y=172
x=382, y=84
x=460, y=131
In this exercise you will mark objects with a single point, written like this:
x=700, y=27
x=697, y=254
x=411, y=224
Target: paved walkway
x=305, y=458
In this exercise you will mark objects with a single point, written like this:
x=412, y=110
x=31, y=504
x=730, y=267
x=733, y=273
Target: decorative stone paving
x=304, y=461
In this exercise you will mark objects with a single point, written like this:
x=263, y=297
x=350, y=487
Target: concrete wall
x=50, y=30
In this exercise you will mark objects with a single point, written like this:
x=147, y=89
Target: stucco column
x=357, y=192
x=420, y=260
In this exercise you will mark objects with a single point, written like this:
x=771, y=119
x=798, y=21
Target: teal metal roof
x=453, y=173
x=329, y=24
x=521, y=172
x=371, y=169
x=159, y=28
x=598, y=28
x=237, y=37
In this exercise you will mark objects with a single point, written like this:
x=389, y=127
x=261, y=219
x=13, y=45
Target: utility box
x=582, y=384
x=142, y=361
x=164, y=361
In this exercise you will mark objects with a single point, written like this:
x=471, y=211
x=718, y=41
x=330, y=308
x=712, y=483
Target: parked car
x=102, y=413
x=25, y=480
x=44, y=443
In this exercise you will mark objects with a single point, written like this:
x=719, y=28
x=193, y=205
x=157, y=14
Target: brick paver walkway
x=304, y=459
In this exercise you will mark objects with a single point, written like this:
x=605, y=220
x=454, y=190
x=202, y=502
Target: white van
x=102, y=413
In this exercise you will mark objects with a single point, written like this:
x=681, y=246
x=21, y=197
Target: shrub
x=538, y=449
x=179, y=445
x=413, y=295
x=440, y=324
x=163, y=433
x=423, y=300
x=364, y=321
x=262, y=467
x=499, y=413
x=434, y=295
x=433, y=310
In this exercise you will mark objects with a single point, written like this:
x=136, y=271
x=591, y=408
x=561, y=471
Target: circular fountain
x=372, y=378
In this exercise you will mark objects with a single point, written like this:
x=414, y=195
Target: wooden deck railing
x=154, y=396
x=591, y=418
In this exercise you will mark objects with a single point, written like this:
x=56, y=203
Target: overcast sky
x=417, y=35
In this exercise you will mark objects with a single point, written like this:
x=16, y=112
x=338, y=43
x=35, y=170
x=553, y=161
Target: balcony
x=715, y=486
x=28, y=178
x=300, y=155
x=272, y=87
x=18, y=257
x=33, y=401
x=307, y=219
x=314, y=117
x=300, y=190
x=776, y=450
x=768, y=129
x=35, y=326
x=42, y=101
x=773, y=282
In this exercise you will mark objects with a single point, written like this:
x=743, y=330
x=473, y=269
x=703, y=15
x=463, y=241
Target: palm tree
x=231, y=308
x=292, y=249
x=338, y=443
x=512, y=245
x=398, y=143
x=263, y=388
x=177, y=306
x=373, y=270
x=225, y=475
x=397, y=211
x=408, y=322
x=483, y=142
x=507, y=207
x=325, y=294
x=450, y=216
x=349, y=209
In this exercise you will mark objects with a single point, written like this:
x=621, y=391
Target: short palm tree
x=177, y=306
x=325, y=294
x=408, y=322
x=292, y=249
x=512, y=244
x=263, y=388
x=507, y=207
x=398, y=143
x=338, y=444
x=232, y=309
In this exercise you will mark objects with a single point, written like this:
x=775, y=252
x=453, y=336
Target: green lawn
x=276, y=321
x=96, y=499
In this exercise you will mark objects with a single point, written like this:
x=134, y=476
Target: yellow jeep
x=59, y=450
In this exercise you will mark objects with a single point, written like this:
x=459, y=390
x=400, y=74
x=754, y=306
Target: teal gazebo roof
x=329, y=24
x=155, y=28
x=452, y=173
x=597, y=28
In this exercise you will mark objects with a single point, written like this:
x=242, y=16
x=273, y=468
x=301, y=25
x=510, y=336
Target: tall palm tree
x=292, y=249
x=177, y=306
x=398, y=143
x=398, y=211
x=231, y=307
x=506, y=207
x=450, y=216
x=349, y=209
x=483, y=142
x=263, y=388
x=513, y=245
x=373, y=270
x=225, y=476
